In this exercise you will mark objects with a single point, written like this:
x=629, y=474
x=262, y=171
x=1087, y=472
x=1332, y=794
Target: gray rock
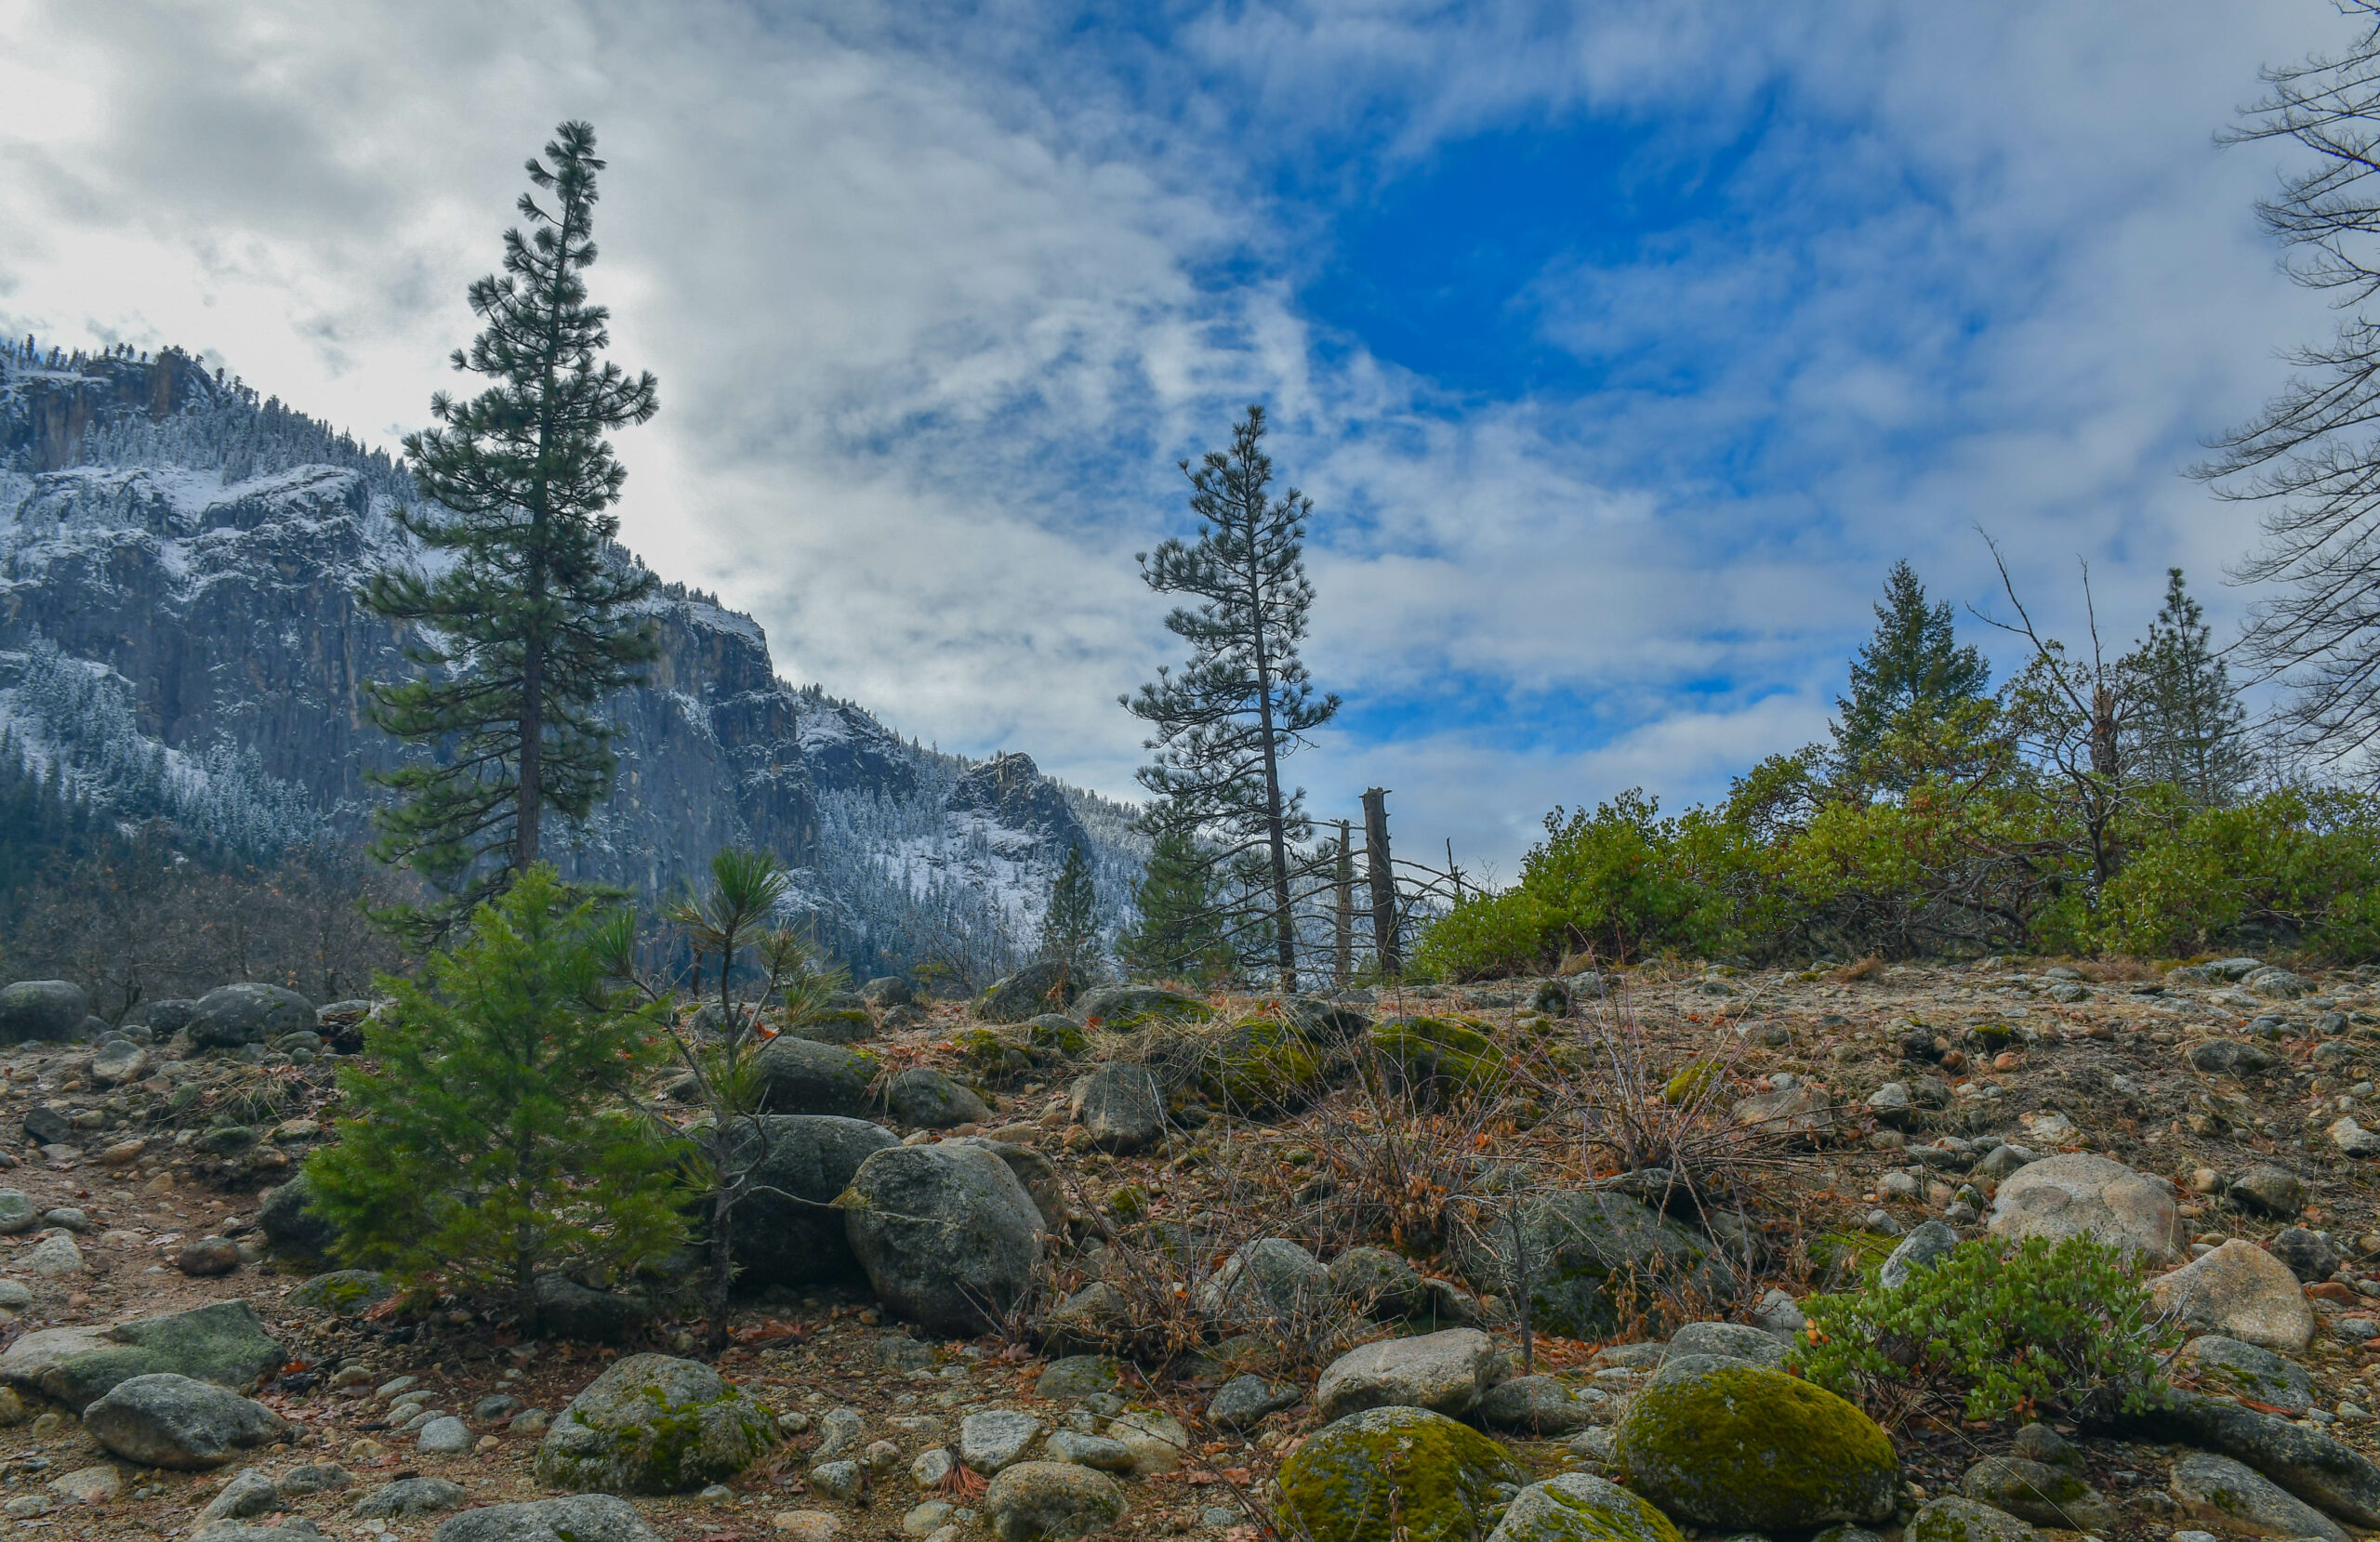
x=1534, y=1406
x=1091, y=1451
x=2267, y=1189
x=2222, y=1491
x=2002, y=1160
x=1244, y=1401
x=996, y=1438
x=1921, y=1249
x=54, y=1258
x=170, y=1017
x=1120, y=1107
x=842, y=1433
x=1588, y=1252
x=119, y=1062
x=301, y=1482
x=789, y=1232
x=48, y=1010
x=1730, y=1341
x=2232, y=1058
x=48, y=1127
x=945, y=1233
x=224, y=1343
x=445, y=1435
x=1799, y=1112
x=840, y=1480
x=157, y=1420
x=2229, y=1365
x=2321, y=1470
x=2240, y=1291
x=925, y=1099
x=652, y=1424
x=343, y=1292
x=580, y=1518
x=495, y=1406
x=1269, y=1280
x=568, y=1310
x=802, y=1076
x=1577, y=1506
x=2353, y=1139
x=408, y=1498
x=1035, y=989
x=1779, y=1316
x=1378, y=1284
x=1726, y=1443
x=888, y=990
x=1050, y=1502
x=208, y=1256
x=2276, y=985
x=19, y=1213
x=2310, y=1256
x=1957, y=1520
x=249, y=1493
x=1445, y=1372
x=1036, y=1172
x=2039, y=1494
x=290, y=1222
x=2077, y=1194
x=233, y=1014
x=1078, y=1376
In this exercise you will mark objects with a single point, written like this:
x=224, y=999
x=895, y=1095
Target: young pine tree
x=486, y=1138
x=531, y=606
x=1913, y=667
x=1243, y=703
x=1070, y=929
x=2189, y=726
x=1178, y=932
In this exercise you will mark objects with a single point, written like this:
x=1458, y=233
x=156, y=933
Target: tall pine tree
x=1912, y=664
x=530, y=610
x=1243, y=703
x=1070, y=929
x=2189, y=727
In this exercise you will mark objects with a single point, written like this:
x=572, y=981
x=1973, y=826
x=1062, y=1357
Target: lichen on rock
x=1728, y=1443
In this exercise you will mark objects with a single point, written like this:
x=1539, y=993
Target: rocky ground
x=1848, y=1105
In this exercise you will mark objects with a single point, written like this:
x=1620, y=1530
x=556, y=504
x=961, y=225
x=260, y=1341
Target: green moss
x=1394, y=1471
x=344, y=1292
x=1432, y=1055
x=1262, y=1064
x=1574, y=1507
x=990, y=1054
x=1129, y=1203
x=1852, y=1256
x=835, y=1025
x=1746, y=1447
x=1060, y=1036
x=1693, y=1081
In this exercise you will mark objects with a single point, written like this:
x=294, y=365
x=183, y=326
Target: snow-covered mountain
x=179, y=636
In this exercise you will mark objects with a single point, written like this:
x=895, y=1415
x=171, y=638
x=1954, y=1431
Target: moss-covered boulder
x=1956, y=1519
x=1729, y=1444
x=1262, y=1065
x=344, y=1292
x=1577, y=1507
x=1394, y=1471
x=803, y=1076
x=1055, y=1034
x=1048, y=985
x=1125, y=1008
x=1694, y=1079
x=1592, y=1256
x=947, y=1234
x=835, y=1025
x=653, y=1424
x=224, y=1342
x=1429, y=1056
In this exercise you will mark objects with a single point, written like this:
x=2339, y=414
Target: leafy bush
x=2015, y=1329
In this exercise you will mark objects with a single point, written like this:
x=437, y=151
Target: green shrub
x=2017, y=1329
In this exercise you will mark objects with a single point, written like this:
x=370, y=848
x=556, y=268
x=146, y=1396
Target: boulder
x=833, y=1026
x=1730, y=1341
x=1121, y=1106
x=1263, y=1066
x=291, y=1223
x=2267, y=1190
x=2353, y=1139
x=2310, y=1256
x=1244, y=1401
x=2239, y=1291
x=1921, y=1249
x=2221, y=1365
x=343, y=1292
x=802, y=1076
x=1157, y=1441
x=233, y=1014
x=1050, y=1502
x=1078, y=1376
x=160, y=1420
x=1430, y=1057
x=580, y=1518
x=19, y=1213
x=2039, y=1494
x=569, y=1309
x=1800, y=1112
x=2221, y=1492
x=409, y=1498
x=888, y=990
x=2319, y=1469
x=1533, y=1405
x=1270, y=1280
x=1957, y=1519
x=1095, y=1451
x=46, y=1010
x=2077, y=1194
x=1445, y=1372
x=652, y=1424
x=1588, y=1252
x=2274, y=984
x=2232, y=1058
x=224, y=1343
x=1726, y=1443
x=1036, y=1172
x=248, y=1493
x=1394, y=1469
x=53, y=1258
x=1379, y=1284
x=1576, y=1507
x=945, y=1233
x=1036, y=988
x=118, y=1062
x=788, y=1231
x=1124, y=1008
x=445, y=1436
x=923, y=1097
x=991, y=1439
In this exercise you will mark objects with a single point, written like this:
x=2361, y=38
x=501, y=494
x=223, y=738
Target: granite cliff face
x=179, y=631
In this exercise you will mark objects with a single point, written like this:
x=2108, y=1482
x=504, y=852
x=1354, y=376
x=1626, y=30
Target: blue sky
x=1622, y=347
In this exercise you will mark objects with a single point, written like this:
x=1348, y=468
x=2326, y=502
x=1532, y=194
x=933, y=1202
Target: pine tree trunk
x=722, y=1265
x=1382, y=879
x=1285, y=943
x=1342, y=961
x=533, y=731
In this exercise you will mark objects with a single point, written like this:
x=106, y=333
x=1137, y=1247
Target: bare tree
x=2310, y=458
